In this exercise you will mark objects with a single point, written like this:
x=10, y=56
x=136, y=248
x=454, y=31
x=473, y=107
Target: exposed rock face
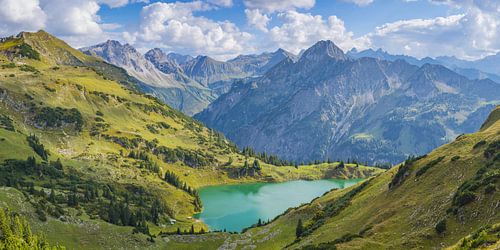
x=327, y=105
x=166, y=80
x=162, y=62
x=206, y=70
x=260, y=64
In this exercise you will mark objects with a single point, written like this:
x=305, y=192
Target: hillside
x=89, y=159
x=447, y=198
x=327, y=105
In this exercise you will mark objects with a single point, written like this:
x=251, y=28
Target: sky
x=223, y=29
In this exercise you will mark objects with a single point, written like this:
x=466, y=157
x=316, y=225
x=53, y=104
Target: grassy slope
x=404, y=217
x=70, y=85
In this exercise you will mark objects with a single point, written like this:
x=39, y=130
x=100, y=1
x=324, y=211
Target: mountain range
x=92, y=161
x=328, y=104
x=186, y=83
x=479, y=69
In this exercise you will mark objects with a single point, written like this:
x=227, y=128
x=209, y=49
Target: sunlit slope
x=455, y=186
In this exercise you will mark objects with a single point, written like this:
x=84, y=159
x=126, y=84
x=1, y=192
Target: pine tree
x=300, y=229
x=52, y=196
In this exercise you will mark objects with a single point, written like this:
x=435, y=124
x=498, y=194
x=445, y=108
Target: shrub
x=424, y=169
x=479, y=144
x=6, y=123
x=26, y=50
x=58, y=117
x=9, y=66
x=441, y=226
x=38, y=147
x=464, y=198
x=28, y=68
x=491, y=188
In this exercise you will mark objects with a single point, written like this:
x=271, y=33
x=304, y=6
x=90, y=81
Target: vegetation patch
x=38, y=147
x=332, y=209
x=484, y=237
x=403, y=171
x=53, y=189
x=28, y=68
x=47, y=117
x=332, y=244
x=6, y=123
x=175, y=181
x=23, y=50
x=486, y=178
x=15, y=233
x=429, y=165
x=441, y=226
x=9, y=66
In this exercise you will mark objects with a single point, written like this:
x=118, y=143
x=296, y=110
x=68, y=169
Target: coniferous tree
x=300, y=229
x=52, y=196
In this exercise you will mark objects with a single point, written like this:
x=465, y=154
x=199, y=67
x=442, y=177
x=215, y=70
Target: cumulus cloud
x=301, y=30
x=278, y=5
x=120, y=3
x=471, y=35
x=18, y=15
x=174, y=27
x=359, y=2
x=256, y=19
x=223, y=3
x=76, y=17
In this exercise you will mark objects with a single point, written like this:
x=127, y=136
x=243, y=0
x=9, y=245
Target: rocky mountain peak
x=323, y=49
x=162, y=62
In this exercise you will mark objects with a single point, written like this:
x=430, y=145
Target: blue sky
x=467, y=29
x=360, y=20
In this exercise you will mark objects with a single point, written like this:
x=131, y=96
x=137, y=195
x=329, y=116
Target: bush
x=26, y=50
x=6, y=123
x=9, y=66
x=479, y=144
x=28, y=68
x=441, y=226
x=38, y=147
x=424, y=169
x=464, y=198
x=58, y=117
x=491, y=188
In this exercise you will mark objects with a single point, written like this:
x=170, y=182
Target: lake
x=234, y=207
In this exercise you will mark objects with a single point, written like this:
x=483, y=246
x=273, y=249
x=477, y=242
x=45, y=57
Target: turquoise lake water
x=234, y=207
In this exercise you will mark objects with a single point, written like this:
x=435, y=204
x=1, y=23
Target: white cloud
x=278, y=5
x=76, y=17
x=18, y=15
x=471, y=35
x=223, y=3
x=174, y=27
x=359, y=2
x=301, y=30
x=110, y=26
x=257, y=19
x=120, y=3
